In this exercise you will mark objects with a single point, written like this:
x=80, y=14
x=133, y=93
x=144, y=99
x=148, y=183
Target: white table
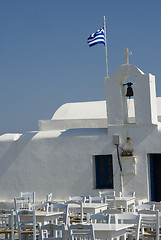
x=91, y=208
x=125, y=202
x=109, y=231
x=94, y=208
x=42, y=216
x=46, y=216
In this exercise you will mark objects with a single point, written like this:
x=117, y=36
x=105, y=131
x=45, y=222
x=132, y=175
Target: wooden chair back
x=75, y=211
x=22, y=203
x=64, y=212
x=81, y=232
x=97, y=199
x=127, y=194
x=26, y=221
x=150, y=224
x=29, y=194
x=97, y=218
x=7, y=223
x=52, y=232
x=78, y=198
x=129, y=218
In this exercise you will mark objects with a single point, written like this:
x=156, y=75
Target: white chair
x=81, y=232
x=78, y=198
x=111, y=212
x=49, y=197
x=44, y=205
x=52, y=232
x=127, y=194
x=110, y=197
x=107, y=193
x=26, y=221
x=75, y=211
x=7, y=224
x=143, y=206
x=40, y=206
x=47, y=203
x=63, y=210
x=157, y=205
x=97, y=199
x=29, y=194
x=22, y=203
x=97, y=218
x=129, y=218
x=111, y=202
x=150, y=224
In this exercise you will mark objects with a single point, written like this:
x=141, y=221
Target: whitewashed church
x=90, y=146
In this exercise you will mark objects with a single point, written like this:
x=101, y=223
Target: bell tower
x=142, y=90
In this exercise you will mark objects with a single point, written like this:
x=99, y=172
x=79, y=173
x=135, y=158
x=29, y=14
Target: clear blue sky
x=45, y=60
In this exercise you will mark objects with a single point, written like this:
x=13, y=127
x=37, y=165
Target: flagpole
x=105, y=46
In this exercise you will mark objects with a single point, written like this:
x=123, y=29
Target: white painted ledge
x=46, y=125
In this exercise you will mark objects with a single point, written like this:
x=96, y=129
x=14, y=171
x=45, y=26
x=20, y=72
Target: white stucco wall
x=59, y=159
x=44, y=163
x=62, y=162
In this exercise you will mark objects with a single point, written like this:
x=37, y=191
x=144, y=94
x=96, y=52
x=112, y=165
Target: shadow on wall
x=15, y=148
x=84, y=132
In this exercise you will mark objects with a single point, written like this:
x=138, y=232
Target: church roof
x=93, y=110
x=81, y=110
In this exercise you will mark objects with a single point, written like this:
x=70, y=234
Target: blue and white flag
x=97, y=37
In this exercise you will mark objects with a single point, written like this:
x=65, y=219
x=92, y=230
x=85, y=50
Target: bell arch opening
x=128, y=100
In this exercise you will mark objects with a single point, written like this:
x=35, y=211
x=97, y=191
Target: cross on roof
x=127, y=53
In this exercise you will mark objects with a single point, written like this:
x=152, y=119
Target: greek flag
x=97, y=37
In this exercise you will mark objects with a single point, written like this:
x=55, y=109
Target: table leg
x=126, y=207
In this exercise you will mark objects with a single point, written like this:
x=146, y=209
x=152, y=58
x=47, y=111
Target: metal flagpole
x=105, y=46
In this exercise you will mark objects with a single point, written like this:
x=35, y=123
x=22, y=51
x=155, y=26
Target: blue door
x=155, y=177
x=104, y=171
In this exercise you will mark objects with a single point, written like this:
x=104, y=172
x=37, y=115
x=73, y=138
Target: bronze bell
x=129, y=89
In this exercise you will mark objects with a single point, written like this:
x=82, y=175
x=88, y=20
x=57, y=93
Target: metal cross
x=127, y=53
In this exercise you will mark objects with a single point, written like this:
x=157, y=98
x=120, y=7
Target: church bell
x=129, y=92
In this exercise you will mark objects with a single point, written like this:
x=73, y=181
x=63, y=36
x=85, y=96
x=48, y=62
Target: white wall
x=63, y=165
x=60, y=165
x=144, y=96
x=60, y=161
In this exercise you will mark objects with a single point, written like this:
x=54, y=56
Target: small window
x=103, y=171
